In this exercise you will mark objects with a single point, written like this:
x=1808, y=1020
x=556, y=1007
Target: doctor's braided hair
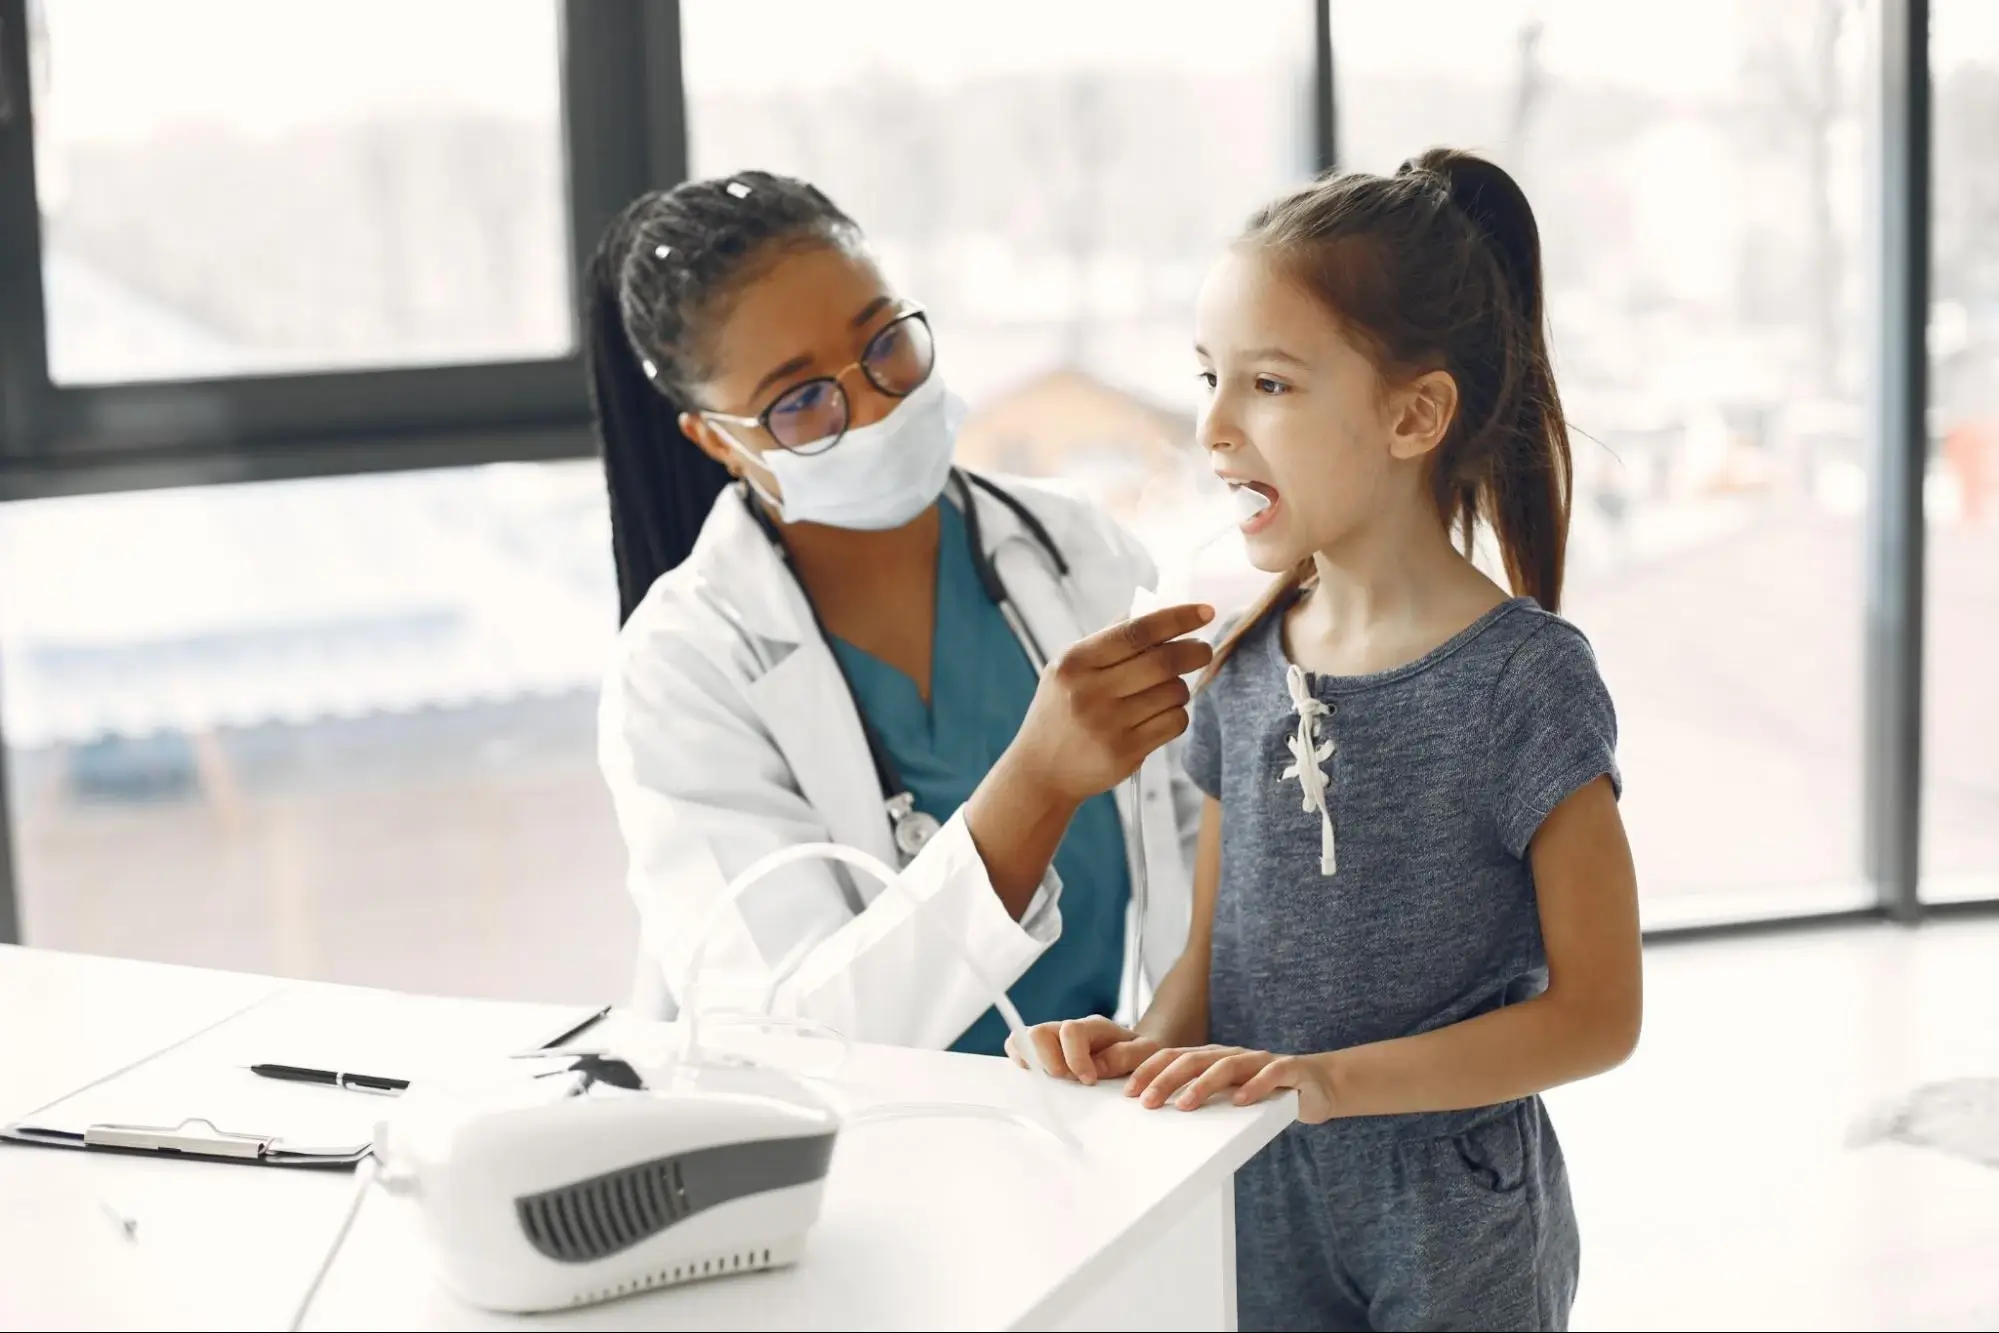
x=660, y=282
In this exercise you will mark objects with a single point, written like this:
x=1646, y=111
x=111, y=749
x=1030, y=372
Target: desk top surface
x=941, y=1222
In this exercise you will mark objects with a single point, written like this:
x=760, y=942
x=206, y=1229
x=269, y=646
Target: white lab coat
x=727, y=733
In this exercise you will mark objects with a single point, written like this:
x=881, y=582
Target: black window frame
x=1900, y=137
x=622, y=134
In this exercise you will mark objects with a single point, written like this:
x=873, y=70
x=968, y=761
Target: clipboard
x=196, y=1098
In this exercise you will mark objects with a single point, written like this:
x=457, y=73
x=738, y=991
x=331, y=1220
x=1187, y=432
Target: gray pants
x=1386, y=1225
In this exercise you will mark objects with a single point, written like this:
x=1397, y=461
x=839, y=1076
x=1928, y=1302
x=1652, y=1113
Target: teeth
x=1248, y=503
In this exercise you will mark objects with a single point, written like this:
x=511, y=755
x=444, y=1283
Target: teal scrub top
x=981, y=682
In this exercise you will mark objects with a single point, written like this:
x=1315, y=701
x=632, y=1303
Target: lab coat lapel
x=804, y=704
x=800, y=696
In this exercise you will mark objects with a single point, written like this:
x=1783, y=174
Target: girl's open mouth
x=1255, y=503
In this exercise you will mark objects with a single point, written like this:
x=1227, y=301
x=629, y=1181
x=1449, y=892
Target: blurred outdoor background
x=345, y=726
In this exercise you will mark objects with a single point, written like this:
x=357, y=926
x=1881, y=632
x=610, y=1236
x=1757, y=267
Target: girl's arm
x=1087, y=1049
x=1587, y=1020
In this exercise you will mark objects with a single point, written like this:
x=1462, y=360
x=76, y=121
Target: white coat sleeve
x=702, y=792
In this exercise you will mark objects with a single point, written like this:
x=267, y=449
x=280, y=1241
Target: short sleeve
x=1202, y=755
x=1553, y=731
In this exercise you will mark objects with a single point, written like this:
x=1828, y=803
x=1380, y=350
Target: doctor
x=832, y=634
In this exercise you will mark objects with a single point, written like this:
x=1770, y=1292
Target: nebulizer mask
x=1184, y=529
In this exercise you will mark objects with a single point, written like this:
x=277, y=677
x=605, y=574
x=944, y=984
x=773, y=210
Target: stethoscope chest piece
x=913, y=828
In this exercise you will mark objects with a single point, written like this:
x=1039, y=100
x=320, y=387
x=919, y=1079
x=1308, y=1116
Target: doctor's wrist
x=1017, y=822
x=1023, y=784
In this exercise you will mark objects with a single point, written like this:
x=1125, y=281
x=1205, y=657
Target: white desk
x=927, y=1224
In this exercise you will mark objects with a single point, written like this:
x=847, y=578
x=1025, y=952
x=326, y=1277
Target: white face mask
x=877, y=477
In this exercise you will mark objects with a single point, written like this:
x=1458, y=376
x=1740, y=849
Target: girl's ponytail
x=1524, y=487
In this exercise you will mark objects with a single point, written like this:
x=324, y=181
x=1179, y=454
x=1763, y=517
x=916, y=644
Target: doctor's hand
x=1110, y=701
x=1084, y=1049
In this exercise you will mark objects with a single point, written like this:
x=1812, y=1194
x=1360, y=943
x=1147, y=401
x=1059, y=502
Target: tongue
x=1249, y=503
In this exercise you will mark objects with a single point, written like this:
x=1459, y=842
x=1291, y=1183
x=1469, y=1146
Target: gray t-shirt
x=1442, y=771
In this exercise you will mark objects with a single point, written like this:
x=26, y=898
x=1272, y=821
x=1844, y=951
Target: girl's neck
x=1386, y=596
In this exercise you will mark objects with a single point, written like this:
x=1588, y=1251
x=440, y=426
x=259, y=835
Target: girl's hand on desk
x=1085, y=1049
x=1193, y=1076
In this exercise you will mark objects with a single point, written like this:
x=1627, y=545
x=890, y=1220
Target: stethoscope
x=912, y=828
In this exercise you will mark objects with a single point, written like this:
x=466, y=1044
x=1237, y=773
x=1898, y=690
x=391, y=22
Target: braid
x=656, y=284
x=686, y=247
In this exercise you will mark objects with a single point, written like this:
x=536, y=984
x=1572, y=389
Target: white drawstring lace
x=1308, y=751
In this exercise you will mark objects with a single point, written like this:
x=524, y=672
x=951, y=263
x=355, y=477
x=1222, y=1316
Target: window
x=1696, y=171
x=334, y=729
x=1960, y=853
x=1052, y=180
x=232, y=187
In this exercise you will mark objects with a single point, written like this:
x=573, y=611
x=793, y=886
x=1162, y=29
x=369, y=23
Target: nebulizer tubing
x=1140, y=890
x=778, y=860
x=365, y=1174
x=691, y=1015
x=1249, y=505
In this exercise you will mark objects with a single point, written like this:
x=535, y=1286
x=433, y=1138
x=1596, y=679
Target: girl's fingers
x=1076, y=1054
x=1148, y=1069
x=1124, y=1057
x=1048, y=1045
x=1221, y=1075
x=1273, y=1078
x=1188, y=1066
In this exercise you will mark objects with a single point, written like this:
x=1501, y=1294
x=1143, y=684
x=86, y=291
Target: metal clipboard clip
x=186, y=1137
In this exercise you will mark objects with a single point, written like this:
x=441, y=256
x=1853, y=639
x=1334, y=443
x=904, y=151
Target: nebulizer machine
x=612, y=1173
x=607, y=1174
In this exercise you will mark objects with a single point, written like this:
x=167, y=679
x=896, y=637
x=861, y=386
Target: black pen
x=332, y=1078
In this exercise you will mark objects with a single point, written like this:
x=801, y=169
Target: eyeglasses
x=811, y=417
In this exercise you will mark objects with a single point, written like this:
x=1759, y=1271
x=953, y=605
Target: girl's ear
x=1422, y=413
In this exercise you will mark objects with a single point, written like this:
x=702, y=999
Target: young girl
x=1414, y=901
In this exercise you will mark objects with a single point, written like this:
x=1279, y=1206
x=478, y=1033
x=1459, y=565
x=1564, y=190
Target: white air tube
x=364, y=1176
x=690, y=1010
x=1248, y=504
x=755, y=872
x=1141, y=892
